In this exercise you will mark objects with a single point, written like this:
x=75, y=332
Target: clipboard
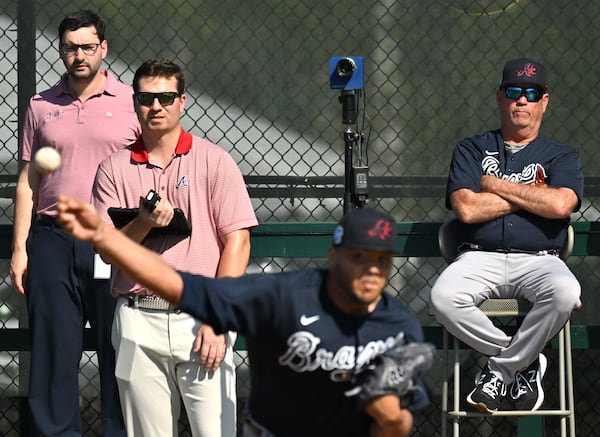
x=179, y=224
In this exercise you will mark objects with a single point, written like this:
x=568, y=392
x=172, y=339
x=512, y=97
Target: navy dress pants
x=62, y=296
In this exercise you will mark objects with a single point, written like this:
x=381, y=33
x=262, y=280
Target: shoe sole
x=479, y=405
x=538, y=380
x=482, y=407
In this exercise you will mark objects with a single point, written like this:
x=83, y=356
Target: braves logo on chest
x=533, y=173
x=304, y=354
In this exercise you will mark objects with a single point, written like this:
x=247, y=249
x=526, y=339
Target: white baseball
x=46, y=160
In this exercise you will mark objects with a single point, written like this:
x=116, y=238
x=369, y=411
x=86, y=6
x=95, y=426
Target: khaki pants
x=157, y=368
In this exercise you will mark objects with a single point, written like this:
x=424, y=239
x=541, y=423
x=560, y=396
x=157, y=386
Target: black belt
x=149, y=303
x=462, y=247
x=47, y=220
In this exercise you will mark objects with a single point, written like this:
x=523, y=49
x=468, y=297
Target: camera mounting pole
x=347, y=74
x=353, y=194
x=349, y=143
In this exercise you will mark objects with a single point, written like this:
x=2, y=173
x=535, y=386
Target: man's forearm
x=538, y=199
x=142, y=265
x=471, y=207
x=236, y=253
x=24, y=202
x=389, y=419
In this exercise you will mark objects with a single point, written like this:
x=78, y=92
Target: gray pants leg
x=544, y=280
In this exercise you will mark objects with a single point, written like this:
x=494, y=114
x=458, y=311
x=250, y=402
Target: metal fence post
x=26, y=20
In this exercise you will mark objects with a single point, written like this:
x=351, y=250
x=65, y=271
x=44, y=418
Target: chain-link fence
x=258, y=85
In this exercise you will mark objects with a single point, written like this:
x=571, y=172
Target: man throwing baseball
x=513, y=190
x=309, y=332
x=86, y=116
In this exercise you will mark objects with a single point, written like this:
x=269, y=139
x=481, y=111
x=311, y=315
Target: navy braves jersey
x=544, y=160
x=303, y=350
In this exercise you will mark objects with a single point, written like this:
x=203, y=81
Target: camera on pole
x=346, y=73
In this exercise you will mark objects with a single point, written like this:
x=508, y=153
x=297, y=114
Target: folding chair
x=505, y=308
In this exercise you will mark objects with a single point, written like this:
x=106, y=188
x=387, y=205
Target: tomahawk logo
x=382, y=230
x=528, y=70
x=182, y=182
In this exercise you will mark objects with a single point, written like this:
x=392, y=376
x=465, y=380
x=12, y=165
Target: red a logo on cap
x=382, y=230
x=527, y=70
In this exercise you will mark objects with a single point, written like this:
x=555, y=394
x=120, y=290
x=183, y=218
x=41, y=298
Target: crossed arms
x=499, y=198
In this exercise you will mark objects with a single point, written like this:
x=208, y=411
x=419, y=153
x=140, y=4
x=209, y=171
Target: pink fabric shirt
x=202, y=179
x=84, y=133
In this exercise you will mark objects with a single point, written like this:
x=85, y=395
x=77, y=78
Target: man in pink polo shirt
x=164, y=355
x=86, y=116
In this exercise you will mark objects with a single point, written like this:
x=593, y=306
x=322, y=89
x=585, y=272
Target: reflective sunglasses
x=87, y=49
x=147, y=99
x=531, y=94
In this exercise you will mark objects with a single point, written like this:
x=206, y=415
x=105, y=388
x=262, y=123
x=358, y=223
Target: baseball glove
x=393, y=372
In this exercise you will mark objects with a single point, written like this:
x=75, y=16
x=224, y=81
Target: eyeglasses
x=87, y=49
x=147, y=99
x=531, y=94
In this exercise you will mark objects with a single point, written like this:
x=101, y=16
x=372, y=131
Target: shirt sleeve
x=245, y=304
x=233, y=208
x=104, y=191
x=28, y=137
x=566, y=171
x=465, y=169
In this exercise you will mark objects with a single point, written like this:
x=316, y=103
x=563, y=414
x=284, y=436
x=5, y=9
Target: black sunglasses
x=531, y=94
x=147, y=99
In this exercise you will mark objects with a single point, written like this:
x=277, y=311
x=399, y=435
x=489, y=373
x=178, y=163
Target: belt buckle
x=153, y=303
x=132, y=300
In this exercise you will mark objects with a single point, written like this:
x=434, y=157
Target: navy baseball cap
x=524, y=71
x=367, y=229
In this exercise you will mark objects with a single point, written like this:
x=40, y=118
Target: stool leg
x=444, y=382
x=570, y=389
x=456, y=405
x=561, y=380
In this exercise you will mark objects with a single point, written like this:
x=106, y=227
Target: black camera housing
x=346, y=73
x=151, y=200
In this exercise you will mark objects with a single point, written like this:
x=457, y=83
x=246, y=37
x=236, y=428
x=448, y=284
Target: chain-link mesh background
x=258, y=85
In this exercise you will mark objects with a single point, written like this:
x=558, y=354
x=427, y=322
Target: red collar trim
x=139, y=153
